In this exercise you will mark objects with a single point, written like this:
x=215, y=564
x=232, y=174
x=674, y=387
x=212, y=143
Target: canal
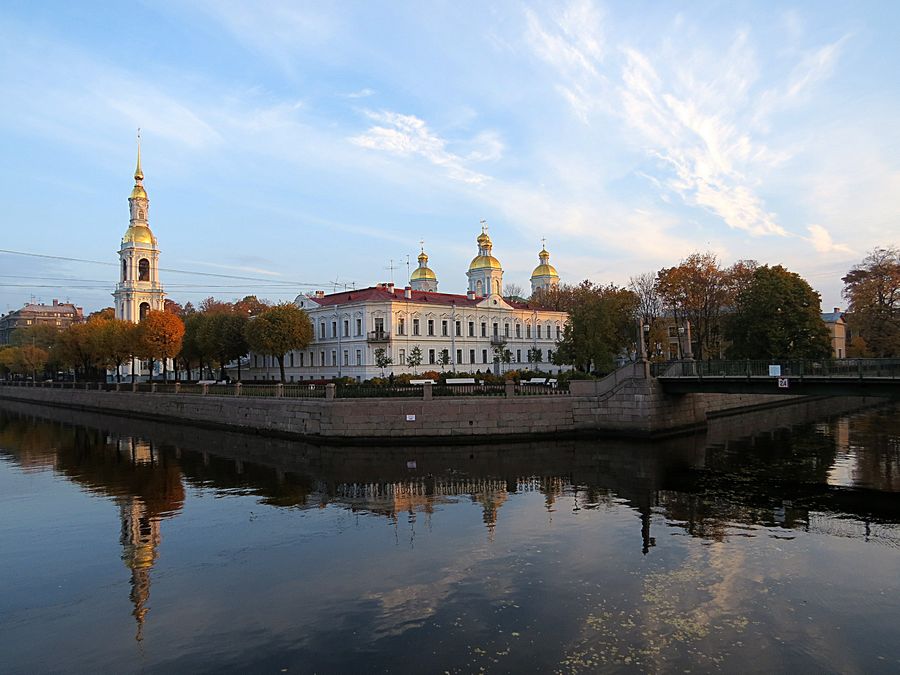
x=770, y=543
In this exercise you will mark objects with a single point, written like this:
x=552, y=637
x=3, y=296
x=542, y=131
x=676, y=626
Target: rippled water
x=770, y=543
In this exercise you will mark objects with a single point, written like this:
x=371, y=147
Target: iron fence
x=796, y=368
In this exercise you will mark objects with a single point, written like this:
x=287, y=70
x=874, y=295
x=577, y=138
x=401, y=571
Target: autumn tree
x=777, y=315
x=76, y=348
x=250, y=306
x=278, y=330
x=221, y=335
x=40, y=335
x=872, y=290
x=190, y=342
x=414, y=358
x=600, y=327
x=159, y=337
x=382, y=359
x=32, y=359
x=118, y=342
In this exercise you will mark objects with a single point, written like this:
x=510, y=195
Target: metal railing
x=795, y=368
x=468, y=390
x=374, y=391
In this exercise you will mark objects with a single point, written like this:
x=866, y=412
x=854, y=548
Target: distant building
x=837, y=330
x=59, y=315
x=479, y=331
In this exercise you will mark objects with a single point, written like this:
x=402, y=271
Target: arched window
x=145, y=308
x=140, y=214
x=144, y=270
x=497, y=286
x=124, y=269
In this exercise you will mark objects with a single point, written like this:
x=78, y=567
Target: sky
x=307, y=146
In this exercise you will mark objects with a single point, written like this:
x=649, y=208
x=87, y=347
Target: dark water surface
x=770, y=543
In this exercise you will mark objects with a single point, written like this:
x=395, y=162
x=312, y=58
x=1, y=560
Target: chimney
x=407, y=292
x=471, y=294
x=320, y=294
x=390, y=287
x=56, y=302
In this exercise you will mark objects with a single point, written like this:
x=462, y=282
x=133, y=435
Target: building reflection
x=752, y=471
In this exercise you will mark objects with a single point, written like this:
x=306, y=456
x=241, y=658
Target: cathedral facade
x=385, y=329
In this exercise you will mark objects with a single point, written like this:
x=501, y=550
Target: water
x=768, y=544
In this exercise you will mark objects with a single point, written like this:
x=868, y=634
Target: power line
x=161, y=269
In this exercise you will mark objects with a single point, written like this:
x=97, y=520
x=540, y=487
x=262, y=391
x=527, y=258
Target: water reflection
x=759, y=476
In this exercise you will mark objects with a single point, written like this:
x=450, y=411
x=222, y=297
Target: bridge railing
x=794, y=368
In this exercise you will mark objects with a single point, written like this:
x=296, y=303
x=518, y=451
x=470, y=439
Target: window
x=471, y=356
x=144, y=310
x=483, y=329
x=301, y=355
x=402, y=357
x=379, y=326
x=444, y=330
x=458, y=329
x=506, y=329
x=415, y=326
x=334, y=329
x=518, y=356
x=124, y=270
x=496, y=329
x=255, y=361
x=431, y=326
x=334, y=357
x=471, y=329
x=346, y=328
x=346, y=358
x=549, y=356
x=358, y=357
x=359, y=326
x=518, y=330
x=445, y=356
x=144, y=270
x=322, y=332
x=673, y=331
x=292, y=359
x=401, y=326
x=538, y=331
x=140, y=214
x=292, y=378
x=431, y=356
x=528, y=330
x=322, y=362
x=459, y=356
x=484, y=356
x=557, y=332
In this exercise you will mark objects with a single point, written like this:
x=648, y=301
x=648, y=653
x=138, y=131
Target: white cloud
x=822, y=241
x=408, y=135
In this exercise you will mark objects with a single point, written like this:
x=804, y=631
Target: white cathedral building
x=479, y=331
x=138, y=290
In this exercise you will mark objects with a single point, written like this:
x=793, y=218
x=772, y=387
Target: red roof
x=386, y=294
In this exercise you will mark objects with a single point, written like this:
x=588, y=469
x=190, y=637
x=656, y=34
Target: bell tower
x=138, y=290
x=485, y=273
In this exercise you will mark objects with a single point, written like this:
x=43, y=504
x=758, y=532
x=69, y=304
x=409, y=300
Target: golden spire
x=138, y=173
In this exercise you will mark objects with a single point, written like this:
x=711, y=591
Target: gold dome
x=138, y=192
x=422, y=274
x=481, y=262
x=138, y=234
x=483, y=238
x=545, y=271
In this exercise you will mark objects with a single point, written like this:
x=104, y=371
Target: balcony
x=378, y=336
x=499, y=340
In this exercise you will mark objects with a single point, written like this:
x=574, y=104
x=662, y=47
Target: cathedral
x=387, y=329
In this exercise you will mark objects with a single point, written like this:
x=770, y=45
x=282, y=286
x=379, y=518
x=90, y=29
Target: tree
x=32, y=360
x=40, y=335
x=600, y=327
x=221, y=336
x=278, y=330
x=190, y=343
x=535, y=355
x=159, y=336
x=443, y=358
x=382, y=359
x=502, y=354
x=513, y=291
x=414, y=359
x=250, y=305
x=872, y=290
x=777, y=315
x=698, y=290
x=118, y=343
x=76, y=348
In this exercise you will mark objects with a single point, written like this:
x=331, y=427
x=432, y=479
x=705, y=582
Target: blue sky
x=308, y=144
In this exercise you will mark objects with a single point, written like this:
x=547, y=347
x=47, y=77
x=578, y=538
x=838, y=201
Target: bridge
x=838, y=377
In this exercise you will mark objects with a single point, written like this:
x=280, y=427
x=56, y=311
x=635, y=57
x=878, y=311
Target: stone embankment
x=626, y=403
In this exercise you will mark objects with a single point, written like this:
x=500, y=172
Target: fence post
x=134, y=386
x=118, y=386
x=153, y=387
x=329, y=391
x=177, y=388
x=204, y=389
x=510, y=389
x=237, y=389
x=279, y=390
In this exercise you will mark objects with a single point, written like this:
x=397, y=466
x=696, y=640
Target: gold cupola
x=484, y=259
x=423, y=277
x=138, y=230
x=544, y=275
x=485, y=272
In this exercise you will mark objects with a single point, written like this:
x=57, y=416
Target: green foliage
x=39, y=335
x=382, y=359
x=414, y=358
x=278, y=330
x=601, y=326
x=777, y=315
